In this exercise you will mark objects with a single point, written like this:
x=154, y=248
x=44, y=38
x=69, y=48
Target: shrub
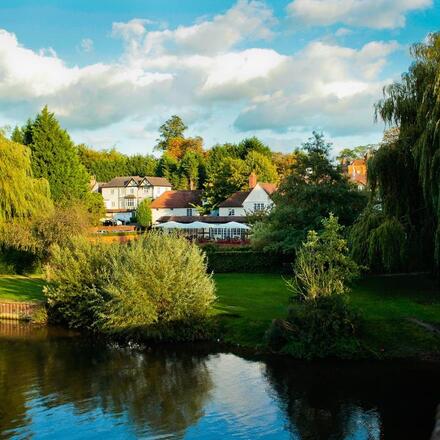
x=158, y=280
x=320, y=322
x=143, y=215
x=316, y=329
x=323, y=266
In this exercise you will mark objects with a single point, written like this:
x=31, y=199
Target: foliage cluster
x=320, y=322
x=143, y=215
x=405, y=172
x=314, y=188
x=156, y=281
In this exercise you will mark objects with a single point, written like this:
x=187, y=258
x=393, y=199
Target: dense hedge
x=17, y=262
x=224, y=261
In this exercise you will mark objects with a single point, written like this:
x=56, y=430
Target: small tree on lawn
x=323, y=266
x=143, y=214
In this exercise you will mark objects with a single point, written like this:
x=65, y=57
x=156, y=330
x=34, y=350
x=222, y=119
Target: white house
x=123, y=194
x=176, y=203
x=241, y=203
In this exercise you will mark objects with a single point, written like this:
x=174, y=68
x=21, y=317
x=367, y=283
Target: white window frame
x=259, y=207
x=231, y=211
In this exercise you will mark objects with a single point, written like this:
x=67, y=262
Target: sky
x=114, y=70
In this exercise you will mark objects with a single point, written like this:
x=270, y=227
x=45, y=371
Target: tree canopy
x=54, y=157
x=405, y=172
x=314, y=189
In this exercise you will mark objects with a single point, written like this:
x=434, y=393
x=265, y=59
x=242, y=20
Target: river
x=54, y=384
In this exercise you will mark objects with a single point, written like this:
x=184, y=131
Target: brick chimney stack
x=252, y=180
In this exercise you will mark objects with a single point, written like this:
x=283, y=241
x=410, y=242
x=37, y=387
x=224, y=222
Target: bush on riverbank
x=320, y=322
x=146, y=284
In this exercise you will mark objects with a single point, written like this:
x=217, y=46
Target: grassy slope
x=21, y=288
x=248, y=302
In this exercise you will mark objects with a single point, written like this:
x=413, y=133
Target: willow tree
x=22, y=197
x=405, y=172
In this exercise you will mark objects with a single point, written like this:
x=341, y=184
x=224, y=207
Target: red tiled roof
x=178, y=199
x=235, y=201
x=202, y=218
x=270, y=188
x=358, y=162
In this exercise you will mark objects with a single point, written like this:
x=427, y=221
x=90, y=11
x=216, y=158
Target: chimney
x=252, y=180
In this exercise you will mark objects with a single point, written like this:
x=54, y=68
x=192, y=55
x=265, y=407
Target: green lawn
x=248, y=302
x=21, y=288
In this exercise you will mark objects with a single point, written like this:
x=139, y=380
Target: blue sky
x=114, y=70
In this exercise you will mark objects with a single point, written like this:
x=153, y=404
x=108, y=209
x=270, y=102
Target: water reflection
x=56, y=385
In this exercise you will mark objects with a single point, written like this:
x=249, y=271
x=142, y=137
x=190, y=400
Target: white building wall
x=114, y=198
x=257, y=196
x=227, y=211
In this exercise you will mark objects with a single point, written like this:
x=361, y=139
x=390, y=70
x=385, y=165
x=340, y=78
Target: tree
x=323, y=266
x=404, y=173
x=104, y=165
x=262, y=166
x=141, y=165
x=174, y=127
x=224, y=179
x=22, y=196
x=178, y=146
x=252, y=144
x=143, y=214
x=55, y=158
x=314, y=189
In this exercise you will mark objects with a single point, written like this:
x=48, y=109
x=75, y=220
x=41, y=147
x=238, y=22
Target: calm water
x=60, y=386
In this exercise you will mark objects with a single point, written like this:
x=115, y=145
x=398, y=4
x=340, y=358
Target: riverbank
x=392, y=309
x=389, y=307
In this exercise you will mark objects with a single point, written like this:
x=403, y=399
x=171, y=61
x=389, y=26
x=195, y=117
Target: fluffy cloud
x=377, y=14
x=324, y=86
x=200, y=70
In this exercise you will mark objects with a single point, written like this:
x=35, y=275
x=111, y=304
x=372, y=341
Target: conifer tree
x=55, y=158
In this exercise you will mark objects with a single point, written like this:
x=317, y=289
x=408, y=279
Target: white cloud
x=86, y=45
x=181, y=70
x=377, y=14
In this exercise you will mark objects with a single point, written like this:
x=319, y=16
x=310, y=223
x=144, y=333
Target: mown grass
x=248, y=302
x=21, y=288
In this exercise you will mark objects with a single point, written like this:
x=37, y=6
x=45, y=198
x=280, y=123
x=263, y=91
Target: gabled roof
x=235, y=201
x=123, y=181
x=178, y=199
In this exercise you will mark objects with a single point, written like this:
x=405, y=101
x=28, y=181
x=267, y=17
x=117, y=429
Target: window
x=189, y=212
x=258, y=206
x=132, y=190
x=113, y=191
x=130, y=203
x=231, y=211
x=113, y=204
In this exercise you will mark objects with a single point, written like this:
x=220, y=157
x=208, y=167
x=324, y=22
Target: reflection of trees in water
x=335, y=401
x=164, y=392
